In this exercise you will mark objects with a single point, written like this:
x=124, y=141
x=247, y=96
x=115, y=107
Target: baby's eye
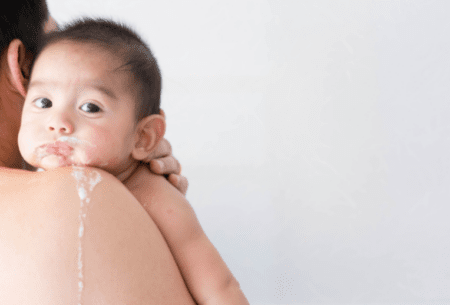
x=43, y=102
x=89, y=107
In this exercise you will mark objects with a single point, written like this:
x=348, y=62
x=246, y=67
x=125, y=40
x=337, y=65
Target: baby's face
x=78, y=110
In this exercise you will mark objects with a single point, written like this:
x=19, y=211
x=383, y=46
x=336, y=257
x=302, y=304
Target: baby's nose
x=61, y=125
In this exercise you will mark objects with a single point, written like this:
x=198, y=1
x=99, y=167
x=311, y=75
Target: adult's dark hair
x=24, y=20
x=120, y=40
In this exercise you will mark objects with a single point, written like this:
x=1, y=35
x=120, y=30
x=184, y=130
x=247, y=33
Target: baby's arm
x=206, y=275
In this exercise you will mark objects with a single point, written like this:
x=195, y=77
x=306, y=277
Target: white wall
x=315, y=136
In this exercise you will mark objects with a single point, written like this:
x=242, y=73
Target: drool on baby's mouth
x=57, y=148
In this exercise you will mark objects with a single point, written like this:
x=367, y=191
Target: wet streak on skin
x=85, y=186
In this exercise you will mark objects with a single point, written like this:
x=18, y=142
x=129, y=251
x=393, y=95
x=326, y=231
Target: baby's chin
x=46, y=160
x=55, y=161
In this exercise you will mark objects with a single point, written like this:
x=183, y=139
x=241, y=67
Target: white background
x=315, y=137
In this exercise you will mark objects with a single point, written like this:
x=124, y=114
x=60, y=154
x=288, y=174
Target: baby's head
x=93, y=99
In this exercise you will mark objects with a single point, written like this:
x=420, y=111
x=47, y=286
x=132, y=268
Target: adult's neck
x=11, y=104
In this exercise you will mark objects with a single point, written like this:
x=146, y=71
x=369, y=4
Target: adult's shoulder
x=55, y=185
x=124, y=256
x=59, y=176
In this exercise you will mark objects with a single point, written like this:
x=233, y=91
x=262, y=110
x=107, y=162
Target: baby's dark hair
x=123, y=42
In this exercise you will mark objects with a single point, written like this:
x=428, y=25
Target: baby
x=93, y=100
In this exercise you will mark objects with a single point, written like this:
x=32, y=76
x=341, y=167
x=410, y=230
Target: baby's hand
x=162, y=162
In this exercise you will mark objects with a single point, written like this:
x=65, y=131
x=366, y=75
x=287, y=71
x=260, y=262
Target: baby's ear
x=149, y=132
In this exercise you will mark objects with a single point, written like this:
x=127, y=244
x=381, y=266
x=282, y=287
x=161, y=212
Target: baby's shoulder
x=168, y=207
x=152, y=188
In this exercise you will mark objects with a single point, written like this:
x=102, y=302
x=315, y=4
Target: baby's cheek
x=99, y=136
x=27, y=144
x=105, y=150
x=98, y=155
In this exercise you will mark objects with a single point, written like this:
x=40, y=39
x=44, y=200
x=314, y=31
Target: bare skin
x=126, y=259
x=63, y=114
x=206, y=275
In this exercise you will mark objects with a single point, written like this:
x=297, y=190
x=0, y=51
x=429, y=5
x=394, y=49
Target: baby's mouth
x=57, y=148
